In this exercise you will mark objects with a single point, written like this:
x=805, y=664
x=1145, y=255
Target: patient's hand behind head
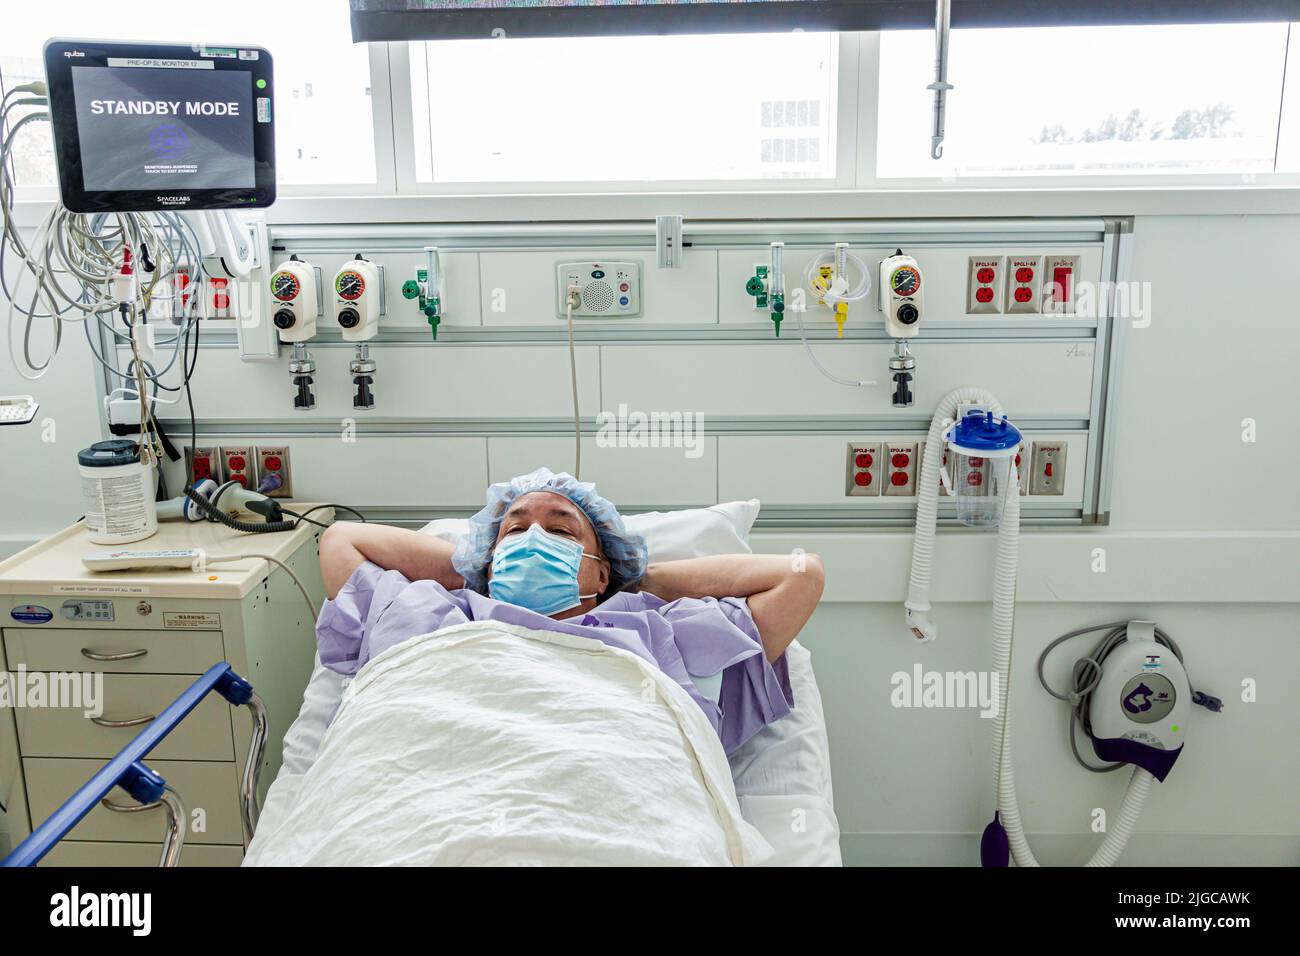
x=558, y=516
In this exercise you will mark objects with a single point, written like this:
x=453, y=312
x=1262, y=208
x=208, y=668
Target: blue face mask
x=537, y=570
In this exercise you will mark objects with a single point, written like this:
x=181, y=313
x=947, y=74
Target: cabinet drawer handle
x=133, y=722
x=108, y=804
x=125, y=656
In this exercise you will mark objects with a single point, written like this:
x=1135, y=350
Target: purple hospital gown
x=377, y=609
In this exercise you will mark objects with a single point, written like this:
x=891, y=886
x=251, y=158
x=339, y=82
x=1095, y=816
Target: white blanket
x=488, y=743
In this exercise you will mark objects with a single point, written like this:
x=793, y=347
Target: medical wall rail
x=128, y=771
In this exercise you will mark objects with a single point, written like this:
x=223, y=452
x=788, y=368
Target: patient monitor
x=150, y=126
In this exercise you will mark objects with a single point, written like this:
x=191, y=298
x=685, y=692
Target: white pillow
x=669, y=535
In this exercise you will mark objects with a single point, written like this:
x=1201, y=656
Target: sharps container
x=119, y=492
x=981, y=448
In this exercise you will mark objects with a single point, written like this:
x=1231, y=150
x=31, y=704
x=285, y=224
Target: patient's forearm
x=719, y=576
x=346, y=544
x=783, y=590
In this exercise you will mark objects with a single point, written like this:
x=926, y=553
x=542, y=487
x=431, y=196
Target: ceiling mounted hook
x=941, y=86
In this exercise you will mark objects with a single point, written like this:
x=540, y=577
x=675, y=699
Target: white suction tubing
x=1004, y=612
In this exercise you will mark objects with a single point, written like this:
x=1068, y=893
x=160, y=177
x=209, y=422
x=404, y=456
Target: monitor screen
x=146, y=127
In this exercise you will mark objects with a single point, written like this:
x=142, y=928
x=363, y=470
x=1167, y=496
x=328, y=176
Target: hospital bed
x=782, y=775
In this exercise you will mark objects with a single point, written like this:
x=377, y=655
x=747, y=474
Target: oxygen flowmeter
x=767, y=286
x=293, y=301
x=901, y=301
x=356, y=311
x=427, y=287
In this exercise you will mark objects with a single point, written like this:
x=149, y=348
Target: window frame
x=868, y=178
x=845, y=135
x=398, y=196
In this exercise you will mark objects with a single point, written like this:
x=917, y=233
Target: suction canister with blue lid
x=981, y=449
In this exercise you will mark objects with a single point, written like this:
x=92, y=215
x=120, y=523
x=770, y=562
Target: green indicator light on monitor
x=261, y=84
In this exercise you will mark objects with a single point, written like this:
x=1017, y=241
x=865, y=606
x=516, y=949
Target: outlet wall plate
x=231, y=456
x=1048, y=477
x=1024, y=284
x=901, y=465
x=213, y=458
x=863, y=474
x=273, y=460
x=984, y=284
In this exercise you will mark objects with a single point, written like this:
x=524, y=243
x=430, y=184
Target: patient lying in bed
x=537, y=694
x=553, y=555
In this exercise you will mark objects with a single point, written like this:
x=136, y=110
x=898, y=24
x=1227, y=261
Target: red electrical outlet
x=1024, y=282
x=273, y=467
x=237, y=460
x=902, y=467
x=984, y=285
x=202, y=463
x=864, y=470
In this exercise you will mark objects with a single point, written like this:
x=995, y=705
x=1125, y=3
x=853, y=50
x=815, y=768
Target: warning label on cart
x=192, y=621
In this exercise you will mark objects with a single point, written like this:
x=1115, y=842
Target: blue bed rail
x=129, y=772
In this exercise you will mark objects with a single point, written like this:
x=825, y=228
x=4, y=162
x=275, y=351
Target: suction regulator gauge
x=350, y=286
x=905, y=280
x=284, y=286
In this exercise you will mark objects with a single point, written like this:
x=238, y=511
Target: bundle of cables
x=112, y=272
x=106, y=270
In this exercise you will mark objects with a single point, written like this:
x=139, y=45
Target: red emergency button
x=1047, y=470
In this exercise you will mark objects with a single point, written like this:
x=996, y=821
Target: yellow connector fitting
x=841, y=316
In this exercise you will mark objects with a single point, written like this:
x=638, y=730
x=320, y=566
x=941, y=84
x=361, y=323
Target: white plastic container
x=982, y=450
x=118, y=491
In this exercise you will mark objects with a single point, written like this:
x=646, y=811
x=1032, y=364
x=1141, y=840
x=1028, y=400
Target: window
x=1086, y=101
x=324, y=132
x=623, y=109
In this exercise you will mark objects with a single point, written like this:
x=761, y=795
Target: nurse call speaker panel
x=141, y=127
x=605, y=289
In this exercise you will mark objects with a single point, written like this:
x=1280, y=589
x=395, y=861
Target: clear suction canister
x=982, y=450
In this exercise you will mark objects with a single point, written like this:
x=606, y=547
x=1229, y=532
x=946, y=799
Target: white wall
x=1223, y=346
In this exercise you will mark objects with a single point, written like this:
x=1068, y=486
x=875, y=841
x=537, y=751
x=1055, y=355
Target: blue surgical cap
x=625, y=551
